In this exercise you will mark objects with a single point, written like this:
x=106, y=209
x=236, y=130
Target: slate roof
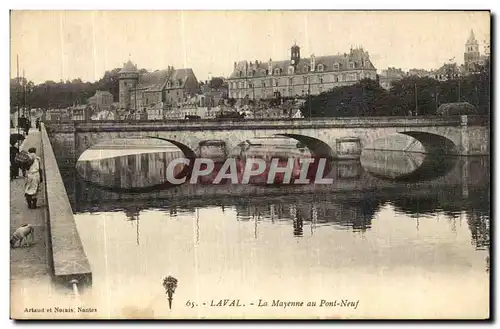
x=356, y=56
x=446, y=69
x=157, y=80
x=129, y=67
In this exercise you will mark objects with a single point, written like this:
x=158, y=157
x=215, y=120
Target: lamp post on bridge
x=416, y=100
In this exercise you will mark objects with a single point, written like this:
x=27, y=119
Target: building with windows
x=297, y=76
x=80, y=112
x=473, y=59
x=421, y=73
x=447, y=72
x=140, y=91
x=388, y=76
x=101, y=100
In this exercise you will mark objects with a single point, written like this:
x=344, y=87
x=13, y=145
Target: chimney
x=235, y=65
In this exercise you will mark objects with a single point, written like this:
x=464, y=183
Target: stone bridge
x=458, y=135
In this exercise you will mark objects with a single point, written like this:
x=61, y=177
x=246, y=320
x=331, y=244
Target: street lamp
x=309, y=96
x=416, y=100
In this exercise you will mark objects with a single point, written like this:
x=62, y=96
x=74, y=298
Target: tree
x=62, y=94
x=365, y=98
x=216, y=83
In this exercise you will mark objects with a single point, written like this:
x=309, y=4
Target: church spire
x=472, y=38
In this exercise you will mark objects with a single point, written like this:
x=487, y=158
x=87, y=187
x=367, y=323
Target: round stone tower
x=129, y=75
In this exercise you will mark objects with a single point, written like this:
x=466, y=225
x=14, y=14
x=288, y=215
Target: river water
x=412, y=249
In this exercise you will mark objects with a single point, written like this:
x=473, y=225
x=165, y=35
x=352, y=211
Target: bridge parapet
x=460, y=135
x=69, y=260
x=347, y=122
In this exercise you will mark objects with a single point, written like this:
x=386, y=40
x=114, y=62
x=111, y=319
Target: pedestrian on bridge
x=33, y=179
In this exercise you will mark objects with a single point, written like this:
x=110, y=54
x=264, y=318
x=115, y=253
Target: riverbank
x=28, y=265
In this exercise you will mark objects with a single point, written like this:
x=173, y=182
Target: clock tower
x=295, y=55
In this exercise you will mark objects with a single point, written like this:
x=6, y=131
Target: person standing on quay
x=14, y=168
x=33, y=180
x=27, y=126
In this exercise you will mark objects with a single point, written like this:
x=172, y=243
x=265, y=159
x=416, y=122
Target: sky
x=55, y=45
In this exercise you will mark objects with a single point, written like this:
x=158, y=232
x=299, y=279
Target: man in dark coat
x=21, y=123
x=14, y=168
x=27, y=126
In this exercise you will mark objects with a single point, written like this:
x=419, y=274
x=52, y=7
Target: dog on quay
x=22, y=235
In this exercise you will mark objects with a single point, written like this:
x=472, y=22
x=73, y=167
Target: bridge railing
x=471, y=119
x=69, y=260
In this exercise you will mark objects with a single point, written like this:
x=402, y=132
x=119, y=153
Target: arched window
x=320, y=79
x=321, y=67
x=305, y=69
x=290, y=70
x=277, y=71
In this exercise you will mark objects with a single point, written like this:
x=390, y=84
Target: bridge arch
x=433, y=143
x=318, y=148
x=388, y=166
x=186, y=172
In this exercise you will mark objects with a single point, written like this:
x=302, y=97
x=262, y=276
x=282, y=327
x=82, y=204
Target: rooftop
x=129, y=67
x=358, y=56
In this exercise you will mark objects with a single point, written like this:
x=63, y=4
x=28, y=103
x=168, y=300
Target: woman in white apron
x=32, y=186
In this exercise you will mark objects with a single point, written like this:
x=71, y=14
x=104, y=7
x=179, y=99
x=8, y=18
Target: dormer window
x=290, y=70
x=336, y=66
x=169, y=84
x=321, y=67
x=305, y=69
x=277, y=71
x=250, y=73
x=352, y=65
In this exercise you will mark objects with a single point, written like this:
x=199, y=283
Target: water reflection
x=367, y=228
x=369, y=185
x=130, y=171
x=146, y=172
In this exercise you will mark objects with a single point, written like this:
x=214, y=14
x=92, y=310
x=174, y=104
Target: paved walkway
x=28, y=265
x=29, y=261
